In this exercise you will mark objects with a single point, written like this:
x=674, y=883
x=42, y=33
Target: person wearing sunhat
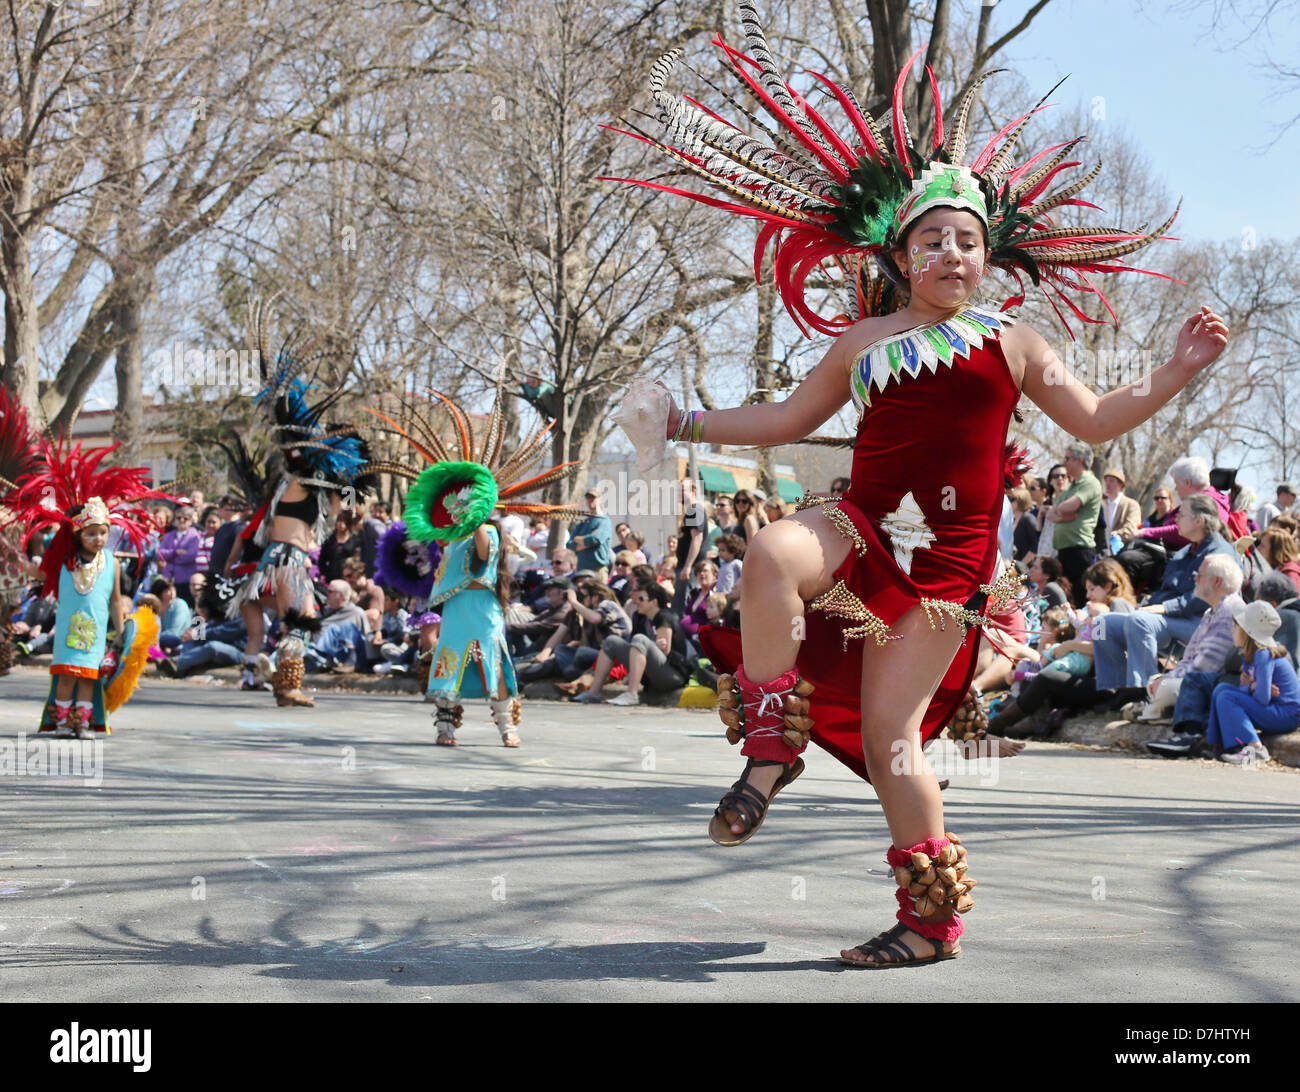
x=1268, y=699
x=1120, y=515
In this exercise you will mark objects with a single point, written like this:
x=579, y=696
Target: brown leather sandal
x=749, y=802
x=890, y=951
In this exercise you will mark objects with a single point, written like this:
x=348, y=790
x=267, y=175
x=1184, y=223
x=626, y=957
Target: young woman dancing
x=906, y=560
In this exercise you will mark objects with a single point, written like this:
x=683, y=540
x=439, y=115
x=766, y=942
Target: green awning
x=790, y=491
x=716, y=480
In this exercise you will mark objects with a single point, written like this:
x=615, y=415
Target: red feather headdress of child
x=58, y=478
x=832, y=204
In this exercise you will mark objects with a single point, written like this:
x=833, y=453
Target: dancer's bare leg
x=788, y=564
x=899, y=680
x=256, y=626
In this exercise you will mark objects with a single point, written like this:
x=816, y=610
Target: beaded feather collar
x=902, y=355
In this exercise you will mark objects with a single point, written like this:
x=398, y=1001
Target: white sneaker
x=1250, y=755
x=625, y=698
x=588, y=697
x=1152, y=715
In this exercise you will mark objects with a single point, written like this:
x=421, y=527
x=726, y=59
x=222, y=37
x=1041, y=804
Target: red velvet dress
x=922, y=517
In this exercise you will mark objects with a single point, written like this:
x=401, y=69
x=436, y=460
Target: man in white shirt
x=1269, y=511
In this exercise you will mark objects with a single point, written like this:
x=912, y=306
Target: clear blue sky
x=1202, y=108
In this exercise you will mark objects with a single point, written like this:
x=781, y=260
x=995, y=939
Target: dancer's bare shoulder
x=866, y=332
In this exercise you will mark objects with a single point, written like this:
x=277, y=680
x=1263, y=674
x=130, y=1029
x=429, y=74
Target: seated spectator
x=216, y=644
x=1267, y=701
x=1195, y=698
x=563, y=564
x=576, y=645
x=198, y=587
x=697, y=602
x=175, y=615
x=620, y=581
x=1062, y=675
x=666, y=574
x=33, y=624
x=731, y=555
x=632, y=542
x=1191, y=478
x=776, y=509
x=527, y=638
x=1024, y=537
x=1049, y=583
x=1278, y=548
x=340, y=646
x=1127, y=650
x=1163, y=503
x=210, y=524
x=1279, y=591
x=345, y=543
x=657, y=655
x=178, y=552
x=1270, y=510
x=1047, y=589
x=719, y=609
x=1218, y=583
x=367, y=595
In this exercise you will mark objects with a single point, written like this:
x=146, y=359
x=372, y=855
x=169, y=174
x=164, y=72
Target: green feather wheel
x=449, y=501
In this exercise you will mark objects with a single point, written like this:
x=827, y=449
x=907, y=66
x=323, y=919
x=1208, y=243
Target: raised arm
x=1053, y=388
x=813, y=402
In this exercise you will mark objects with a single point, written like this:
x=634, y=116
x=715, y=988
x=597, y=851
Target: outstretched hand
x=1201, y=340
x=674, y=414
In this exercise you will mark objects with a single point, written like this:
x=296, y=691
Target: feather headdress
x=68, y=481
x=20, y=450
x=405, y=564
x=316, y=453
x=834, y=204
x=467, y=480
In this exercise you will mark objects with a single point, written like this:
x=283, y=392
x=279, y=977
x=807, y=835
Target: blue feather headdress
x=331, y=456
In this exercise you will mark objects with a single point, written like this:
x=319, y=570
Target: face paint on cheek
x=922, y=262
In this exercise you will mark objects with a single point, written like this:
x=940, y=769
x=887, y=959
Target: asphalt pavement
x=223, y=849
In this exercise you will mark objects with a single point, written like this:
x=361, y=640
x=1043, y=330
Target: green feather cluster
x=479, y=497
x=868, y=201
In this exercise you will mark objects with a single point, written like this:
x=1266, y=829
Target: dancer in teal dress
x=90, y=598
x=70, y=492
x=472, y=659
x=453, y=501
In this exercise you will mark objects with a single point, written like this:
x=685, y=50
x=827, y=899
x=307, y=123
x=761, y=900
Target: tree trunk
x=128, y=422
x=21, y=365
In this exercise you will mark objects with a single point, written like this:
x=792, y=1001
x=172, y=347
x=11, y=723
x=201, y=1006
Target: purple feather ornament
x=406, y=565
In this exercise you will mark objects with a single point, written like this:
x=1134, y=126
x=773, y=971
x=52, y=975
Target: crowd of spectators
x=1150, y=616
x=1141, y=614
x=598, y=602
x=605, y=607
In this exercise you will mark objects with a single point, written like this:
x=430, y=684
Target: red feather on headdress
x=68, y=478
x=20, y=455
